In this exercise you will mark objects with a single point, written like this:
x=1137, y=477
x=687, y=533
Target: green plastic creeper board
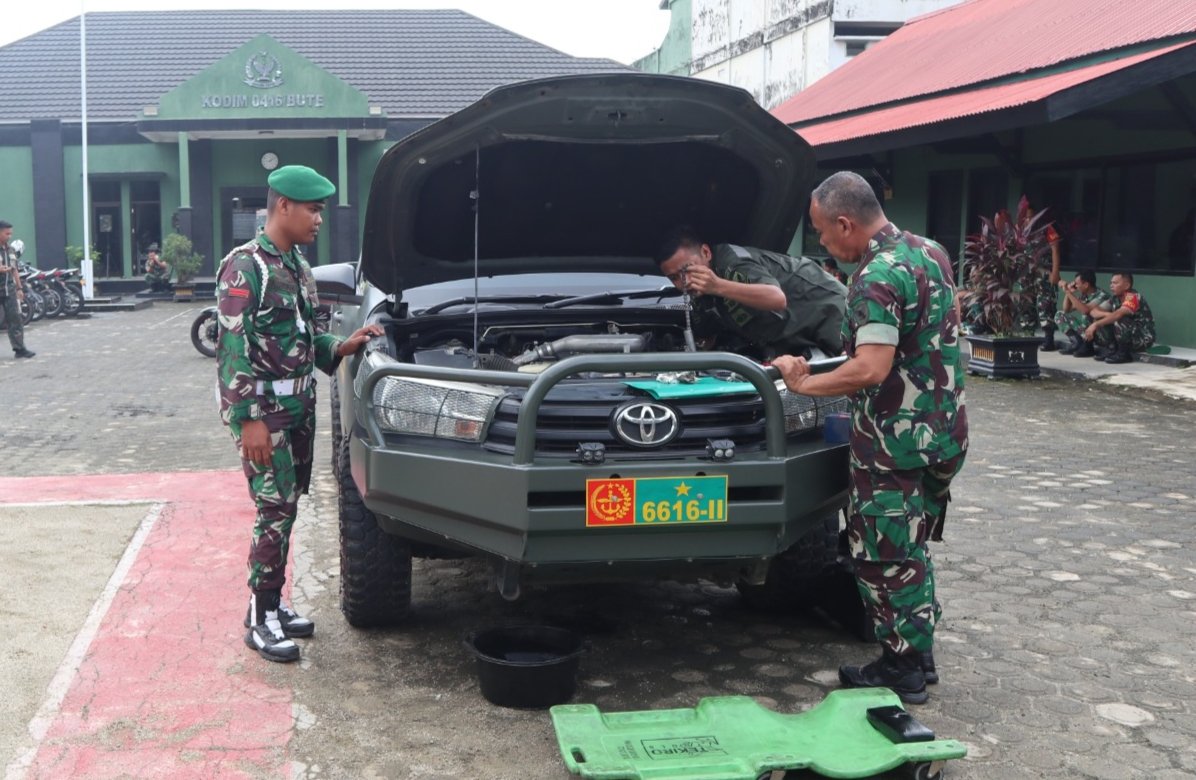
x=734, y=738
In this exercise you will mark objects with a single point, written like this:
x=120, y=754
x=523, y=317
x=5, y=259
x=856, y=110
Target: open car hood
x=582, y=173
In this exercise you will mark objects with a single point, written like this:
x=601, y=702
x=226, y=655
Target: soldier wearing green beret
x=270, y=343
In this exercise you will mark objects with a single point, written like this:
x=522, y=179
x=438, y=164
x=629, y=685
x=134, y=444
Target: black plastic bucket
x=526, y=666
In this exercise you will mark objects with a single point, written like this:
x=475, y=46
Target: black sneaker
x=266, y=635
x=24, y=353
x=293, y=624
x=269, y=641
x=928, y=671
x=900, y=674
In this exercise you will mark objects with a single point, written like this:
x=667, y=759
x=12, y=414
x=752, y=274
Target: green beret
x=300, y=183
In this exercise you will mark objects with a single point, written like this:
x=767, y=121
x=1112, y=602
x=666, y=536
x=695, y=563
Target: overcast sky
x=623, y=30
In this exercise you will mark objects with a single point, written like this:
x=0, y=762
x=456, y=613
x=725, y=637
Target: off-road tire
x=375, y=565
x=794, y=575
x=334, y=419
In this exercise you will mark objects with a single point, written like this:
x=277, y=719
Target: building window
x=1138, y=216
x=855, y=47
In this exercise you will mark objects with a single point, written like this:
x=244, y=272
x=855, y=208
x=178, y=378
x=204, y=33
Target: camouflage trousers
x=1046, y=301
x=275, y=488
x=892, y=516
x=1072, y=322
x=10, y=317
x=1127, y=332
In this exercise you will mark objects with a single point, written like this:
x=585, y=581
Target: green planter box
x=1004, y=357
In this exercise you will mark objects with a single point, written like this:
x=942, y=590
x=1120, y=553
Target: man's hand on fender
x=354, y=343
x=255, y=442
x=794, y=371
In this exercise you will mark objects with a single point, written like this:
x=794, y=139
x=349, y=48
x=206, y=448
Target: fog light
x=720, y=449
x=591, y=453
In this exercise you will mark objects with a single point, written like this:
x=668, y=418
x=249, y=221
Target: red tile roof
x=977, y=101
x=984, y=40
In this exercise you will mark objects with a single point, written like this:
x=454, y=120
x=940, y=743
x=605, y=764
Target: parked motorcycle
x=205, y=332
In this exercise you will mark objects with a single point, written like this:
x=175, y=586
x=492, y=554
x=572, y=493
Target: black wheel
x=72, y=300
x=52, y=301
x=375, y=565
x=205, y=332
x=334, y=419
x=793, y=575
x=36, y=307
x=924, y=771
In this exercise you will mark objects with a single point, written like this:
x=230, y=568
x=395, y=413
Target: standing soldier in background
x=12, y=292
x=909, y=426
x=270, y=343
x=1046, y=296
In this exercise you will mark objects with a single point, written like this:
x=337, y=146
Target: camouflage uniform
x=812, y=315
x=909, y=434
x=10, y=306
x=268, y=331
x=1133, y=332
x=1046, y=294
x=1076, y=321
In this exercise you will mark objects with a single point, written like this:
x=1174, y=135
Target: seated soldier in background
x=1080, y=297
x=157, y=273
x=1128, y=327
x=777, y=304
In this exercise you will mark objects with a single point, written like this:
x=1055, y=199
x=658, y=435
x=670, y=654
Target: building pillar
x=126, y=229
x=203, y=239
x=49, y=192
x=184, y=172
x=344, y=213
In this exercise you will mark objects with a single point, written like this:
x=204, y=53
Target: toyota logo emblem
x=644, y=424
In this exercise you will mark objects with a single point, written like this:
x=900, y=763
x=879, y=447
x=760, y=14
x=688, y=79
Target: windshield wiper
x=451, y=302
x=613, y=297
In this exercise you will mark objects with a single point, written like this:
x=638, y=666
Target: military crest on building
x=263, y=71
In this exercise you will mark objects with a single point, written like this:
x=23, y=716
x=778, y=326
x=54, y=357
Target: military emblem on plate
x=263, y=71
x=610, y=502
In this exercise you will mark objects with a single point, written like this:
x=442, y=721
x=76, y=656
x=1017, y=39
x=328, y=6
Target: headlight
x=426, y=407
x=805, y=413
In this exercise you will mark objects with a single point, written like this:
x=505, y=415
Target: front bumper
x=532, y=512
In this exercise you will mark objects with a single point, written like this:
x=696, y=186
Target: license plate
x=656, y=501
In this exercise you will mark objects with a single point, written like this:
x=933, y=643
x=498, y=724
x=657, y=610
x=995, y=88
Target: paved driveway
x=1068, y=647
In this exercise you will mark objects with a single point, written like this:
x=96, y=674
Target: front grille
x=563, y=424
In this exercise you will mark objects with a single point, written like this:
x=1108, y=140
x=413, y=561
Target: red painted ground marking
x=167, y=687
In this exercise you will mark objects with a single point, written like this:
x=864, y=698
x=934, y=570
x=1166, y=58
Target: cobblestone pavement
x=1067, y=650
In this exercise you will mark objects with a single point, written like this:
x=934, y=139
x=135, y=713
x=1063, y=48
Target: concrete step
x=134, y=304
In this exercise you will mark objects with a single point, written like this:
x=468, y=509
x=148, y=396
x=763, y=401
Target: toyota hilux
x=537, y=399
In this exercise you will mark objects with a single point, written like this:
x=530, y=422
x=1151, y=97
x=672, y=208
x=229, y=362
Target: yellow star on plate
x=683, y=489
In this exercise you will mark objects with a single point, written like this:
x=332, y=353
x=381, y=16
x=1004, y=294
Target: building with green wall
x=1092, y=115
x=188, y=112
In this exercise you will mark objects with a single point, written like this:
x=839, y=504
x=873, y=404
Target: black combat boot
x=1073, y=343
x=293, y=624
x=24, y=353
x=1048, y=339
x=1120, y=353
x=928, y=670
x=902, y=674
x=1086, y=349
x=265, y=635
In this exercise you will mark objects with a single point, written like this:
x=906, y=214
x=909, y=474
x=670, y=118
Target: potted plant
x=1001, y=262
x=177, y=253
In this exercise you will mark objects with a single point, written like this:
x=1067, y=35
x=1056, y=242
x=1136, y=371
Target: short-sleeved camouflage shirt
x=266, y=301
x=814, y=301
x=902, y=294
